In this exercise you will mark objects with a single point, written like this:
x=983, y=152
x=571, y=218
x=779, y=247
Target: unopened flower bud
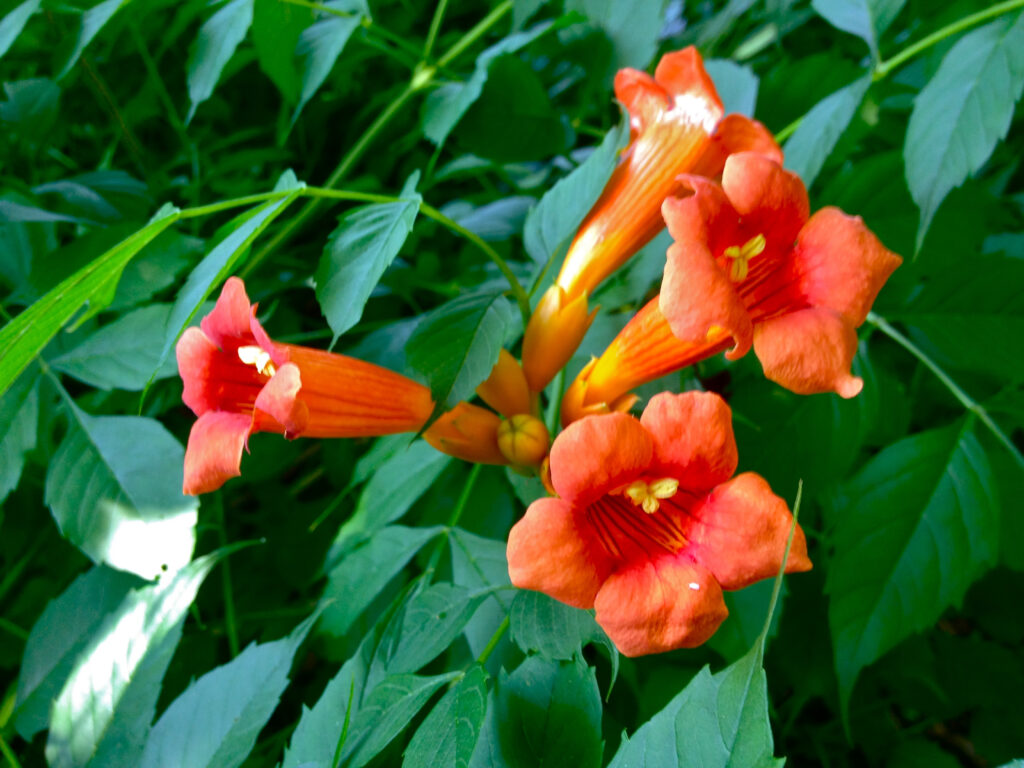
x=523, y=440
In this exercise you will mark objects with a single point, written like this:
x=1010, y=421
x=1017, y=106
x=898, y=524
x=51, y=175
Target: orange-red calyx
x=648, y=528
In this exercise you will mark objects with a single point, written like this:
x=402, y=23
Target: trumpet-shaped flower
x=749, y=269
x=648, y=528
x=238, y=381
x=676, y=127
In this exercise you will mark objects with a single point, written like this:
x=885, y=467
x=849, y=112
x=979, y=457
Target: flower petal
x=642, y=97
x=660, y=605
x=698, y=299
x=597, y=454
x=196, y=358
x=736, y=133
x=771, y=200
x=682, y=74
x=229, y=320
x=278, y=400
x=693, y=438
x=214, y=452
x=706, y=216
x=549, y=552
x=842, y=264
x=808, y=351
x=739, y=533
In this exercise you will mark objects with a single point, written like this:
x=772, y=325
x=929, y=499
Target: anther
x=259, y=358
x=741, y=256
x=648, y=495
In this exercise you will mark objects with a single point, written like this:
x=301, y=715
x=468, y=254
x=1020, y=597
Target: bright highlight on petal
x=648, y=529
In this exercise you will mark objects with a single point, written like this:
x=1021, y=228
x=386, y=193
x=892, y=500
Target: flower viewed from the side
x=749, y=268
x=676, y=127
x=238, y=381
x=648, y=528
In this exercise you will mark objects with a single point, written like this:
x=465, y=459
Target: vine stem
x=493, y=642
x=966, y=400
x=435, y=26
x=884, y=68
x=8, y=754
x=453, y=520
x=230, y=620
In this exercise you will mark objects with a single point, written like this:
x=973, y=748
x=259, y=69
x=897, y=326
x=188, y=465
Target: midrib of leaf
x=465, y=355
x=934, y=485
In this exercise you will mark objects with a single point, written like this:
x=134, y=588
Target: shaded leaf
x=93, y=20
x=736, y=85
x=102, y=714
x=276, y=28
x=867, y=19
x=631, y=25
x=15, y=21
x=321, y=44
x=213, y=47
x=916, y=526
x=19, y=419
x=963, y=111
x=114, y=487
x=448, y=735
x=479, y=563
x=60, y=633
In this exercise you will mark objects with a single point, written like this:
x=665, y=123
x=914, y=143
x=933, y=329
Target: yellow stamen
x=647, y=495
x=741, y=256
x=258, y=357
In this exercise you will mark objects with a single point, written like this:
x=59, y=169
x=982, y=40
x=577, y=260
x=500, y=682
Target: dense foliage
x=385, y=178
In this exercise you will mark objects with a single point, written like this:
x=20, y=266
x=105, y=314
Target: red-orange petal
x=771, y=200
x=661, y=605
x=278, y=399
x=841, y=264
x=706, y=216
x=549, y=552
x=230, y=318
x=693, y=438
x=698, y=298
x=196, y=353
x=736, y=133
x=214, y=452
x=739, y=533
x=597, y=454
x=642, y=97
x=809, y=351
x=682, y=73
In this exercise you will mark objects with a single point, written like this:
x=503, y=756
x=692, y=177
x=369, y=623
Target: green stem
x=14, y=573
x=966, y=400
x=493, y=642
x=9, y=755
x=777, y=588
x=789, y=130
x=435, y=25
x=517, y=288
x=475, y=33
x=887, y=66
x=350, y=159
x=453, y=520
x=230, y=622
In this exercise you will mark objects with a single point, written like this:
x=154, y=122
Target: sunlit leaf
x=114, y=488
x=914, y=529
x=213, y=47
x=215, y=722
x=963, y=112
x=65, y=627
x=447, y=737
x=102, y=714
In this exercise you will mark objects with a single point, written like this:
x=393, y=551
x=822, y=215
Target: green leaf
x=427, y=624
x=445, y=106
x=123, y=354
x=718, y=720
x=60, y=633
x=736, y=85
x=156, y=268
x=554, y=629
x=523, y=11
x=93, y=20
x=916, y=526
x=394, y=487
x=32, y=107
x=24, y=337
x=360, y=250
x=19, y=419
x=114, y=487
x=354, y=582
x=867, y=19
x=631, y=25
x=819, y=131
x=551, y=224
x=385, y=712
x=321, y=44
x=215, y=722
x=316, y=739
x=14, y=22
x=963, y=111
x=218, y=264
x=456, y=346
x=479, y=563
x=545, y=713
x=276, y=28
x=747, y=609
x=448, y=735
x=102, y=714
x=216, y=43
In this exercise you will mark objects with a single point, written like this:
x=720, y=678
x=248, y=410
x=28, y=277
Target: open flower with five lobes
x=676, y=127
x=238, y=381
x=749, y=268
x=648, y=528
